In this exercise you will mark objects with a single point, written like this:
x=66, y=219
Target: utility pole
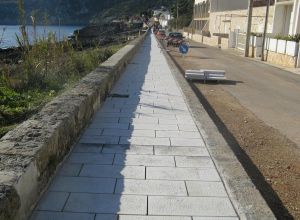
x=177, y=13
x=249, y=24
x=265, y=30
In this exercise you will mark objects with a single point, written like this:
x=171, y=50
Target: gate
x=240, y=40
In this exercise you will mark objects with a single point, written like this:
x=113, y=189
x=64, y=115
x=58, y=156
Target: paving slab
x=69, y=169
x=45, y=215
x=144, y=160
x=187, y=142
x=181, y=151
x=183, y=161
x=139, y=217
x=194, y=206
x=128, y=149
x=175, y=173
x=109, y=171
x=178, y=134
x=145, y=141
x=91, y=158
x=53, y=201
x=83, y=184
x=88, y=148
x=141, y=158
x=151, y=187
x=106, y=217
x=198, y=188
x=109, y=204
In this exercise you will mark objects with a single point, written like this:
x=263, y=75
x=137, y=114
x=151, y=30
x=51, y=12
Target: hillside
x=77, y=11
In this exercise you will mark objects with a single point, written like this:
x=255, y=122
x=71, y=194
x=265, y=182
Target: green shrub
x=295, y=38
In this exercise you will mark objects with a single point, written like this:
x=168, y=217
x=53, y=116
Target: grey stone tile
x=145, y=141
x=109, y=109
x=159, y=127
x=128, y=149
x=178, y=134
x=83, y=184
x=69, y=169
x=106, y=217
x=100, y=119
x=88, y=148
x=175, y=173
x=194, y=206
x=91, y=158
x=150, y=187
x=93, y=132
x=53, y=201
x=144, y=160
x=109, y=171
x=140, y=120
x=45, y=215
x=183, y=161
x=197, y=188
x=110, y=125
x=215, y=218
x=108, y=204
x=99, y=140
x=129, y=133
x=139, y=217
x=187, y=142
x=181, y=151
x=184, y=127
x=118, y=115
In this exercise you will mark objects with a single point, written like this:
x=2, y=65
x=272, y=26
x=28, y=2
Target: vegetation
x=185, y=13
x=295, y=38
x=79, y=11
x=44, y=70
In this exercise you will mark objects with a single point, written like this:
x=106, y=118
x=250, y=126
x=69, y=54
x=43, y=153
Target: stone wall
x=30, y=154
x=280, y=59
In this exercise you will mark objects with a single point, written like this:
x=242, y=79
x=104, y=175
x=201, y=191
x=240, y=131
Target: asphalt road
x=272, y=94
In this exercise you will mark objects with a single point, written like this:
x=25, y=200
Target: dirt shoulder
x=269, y=157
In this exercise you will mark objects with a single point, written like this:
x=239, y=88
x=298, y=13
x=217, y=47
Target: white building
x=224, y=16
x=163, y=15
x=286, y=17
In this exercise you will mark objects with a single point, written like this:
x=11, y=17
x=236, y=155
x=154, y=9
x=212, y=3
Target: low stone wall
x=281, y=59
x=213, y=41
x=29, y=154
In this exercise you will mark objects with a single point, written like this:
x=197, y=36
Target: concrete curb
x=246, y=198
x=29, y=154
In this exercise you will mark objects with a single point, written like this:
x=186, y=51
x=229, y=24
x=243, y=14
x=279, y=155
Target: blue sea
x=8, y=33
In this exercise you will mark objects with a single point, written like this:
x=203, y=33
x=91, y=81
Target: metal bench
x=205, y=75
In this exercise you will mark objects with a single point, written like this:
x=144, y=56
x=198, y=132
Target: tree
x=185, y=13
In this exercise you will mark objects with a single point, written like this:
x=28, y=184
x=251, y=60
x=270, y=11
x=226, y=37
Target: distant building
x=163, y=16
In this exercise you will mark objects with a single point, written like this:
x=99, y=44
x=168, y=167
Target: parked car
x=161, y=34
x=174, y=39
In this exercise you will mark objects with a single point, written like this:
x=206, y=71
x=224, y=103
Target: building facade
x=286, y=17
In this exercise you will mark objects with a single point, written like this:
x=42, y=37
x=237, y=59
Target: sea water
x=8, y=33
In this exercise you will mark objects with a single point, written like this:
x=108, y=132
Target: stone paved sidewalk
x=141, y=158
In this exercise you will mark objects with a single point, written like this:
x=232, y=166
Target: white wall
x=228, y=5
x=199, y=1
x=286, y=18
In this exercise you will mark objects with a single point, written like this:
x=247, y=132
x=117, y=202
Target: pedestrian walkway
x=141, y=158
